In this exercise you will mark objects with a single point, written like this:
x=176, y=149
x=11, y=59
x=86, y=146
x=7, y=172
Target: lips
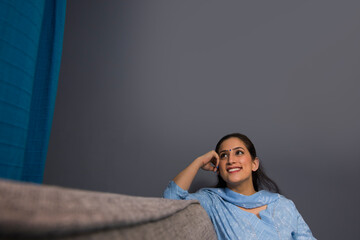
x=234, y=169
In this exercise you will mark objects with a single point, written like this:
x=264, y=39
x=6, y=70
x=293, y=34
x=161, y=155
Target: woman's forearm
x=186, y=176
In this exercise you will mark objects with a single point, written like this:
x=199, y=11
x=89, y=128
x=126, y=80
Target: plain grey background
x=146, y=87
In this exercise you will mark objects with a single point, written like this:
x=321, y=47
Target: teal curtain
x=31, y=36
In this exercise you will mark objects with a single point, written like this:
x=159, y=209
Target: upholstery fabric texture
x=31, y=211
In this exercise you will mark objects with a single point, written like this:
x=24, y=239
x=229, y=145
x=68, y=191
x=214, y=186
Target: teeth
x=233, y=169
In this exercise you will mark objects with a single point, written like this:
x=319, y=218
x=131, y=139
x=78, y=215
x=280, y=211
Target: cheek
x=223, y=174
x=249, y=164
x=222, y=167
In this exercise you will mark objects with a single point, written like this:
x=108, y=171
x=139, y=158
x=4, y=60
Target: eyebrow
x=232, y=149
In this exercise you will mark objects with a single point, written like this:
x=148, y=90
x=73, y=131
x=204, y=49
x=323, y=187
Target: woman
x=245, y=204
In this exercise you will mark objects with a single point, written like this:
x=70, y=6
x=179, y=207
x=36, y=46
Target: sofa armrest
x=41, y=211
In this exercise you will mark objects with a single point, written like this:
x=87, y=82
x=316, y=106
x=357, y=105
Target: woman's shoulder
x=285, y=203
x=211, y=193
x=285, y=200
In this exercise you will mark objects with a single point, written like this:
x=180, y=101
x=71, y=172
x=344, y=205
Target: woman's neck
x=244, y=189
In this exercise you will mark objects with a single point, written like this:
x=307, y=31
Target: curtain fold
x=31, y=36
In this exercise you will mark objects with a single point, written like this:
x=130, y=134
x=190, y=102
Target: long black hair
x=259, y=178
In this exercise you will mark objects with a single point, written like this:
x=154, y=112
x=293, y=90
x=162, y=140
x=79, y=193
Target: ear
x=255, y=164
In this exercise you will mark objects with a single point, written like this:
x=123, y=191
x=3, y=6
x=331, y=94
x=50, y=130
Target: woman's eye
x=239, y=152
x=222, y=155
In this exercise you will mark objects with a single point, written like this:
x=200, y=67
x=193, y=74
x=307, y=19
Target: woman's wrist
x=198, y=163
x=186, y=176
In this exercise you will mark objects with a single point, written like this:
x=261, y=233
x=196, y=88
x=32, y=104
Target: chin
x=235, y=181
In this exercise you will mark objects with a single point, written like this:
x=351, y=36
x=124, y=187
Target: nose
x=231, y=159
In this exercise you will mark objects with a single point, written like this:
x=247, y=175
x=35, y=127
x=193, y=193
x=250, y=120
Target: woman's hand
x=209, y=161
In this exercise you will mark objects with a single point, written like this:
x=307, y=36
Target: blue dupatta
x=258, y=199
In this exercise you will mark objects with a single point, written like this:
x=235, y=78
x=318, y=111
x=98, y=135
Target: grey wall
x=147, y=86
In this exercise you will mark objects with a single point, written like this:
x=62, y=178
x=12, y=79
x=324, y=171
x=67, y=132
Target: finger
x=213, y=163
x=217, y=161
x=216, y=167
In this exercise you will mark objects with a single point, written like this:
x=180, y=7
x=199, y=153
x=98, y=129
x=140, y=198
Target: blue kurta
x=280, y=220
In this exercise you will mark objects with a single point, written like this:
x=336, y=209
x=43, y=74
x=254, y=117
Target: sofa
x=32, y=211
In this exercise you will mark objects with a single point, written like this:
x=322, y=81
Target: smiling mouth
x=232, y=170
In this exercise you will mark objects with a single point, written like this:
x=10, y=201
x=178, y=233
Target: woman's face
x=236, y=164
